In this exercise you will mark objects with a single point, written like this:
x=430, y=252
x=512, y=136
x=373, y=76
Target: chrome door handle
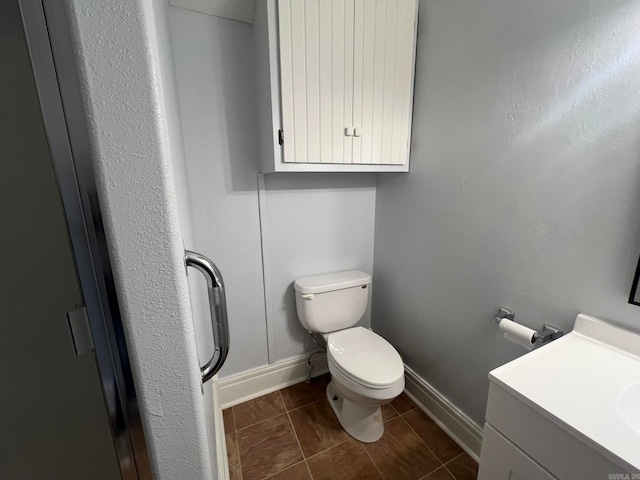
x=218, y=308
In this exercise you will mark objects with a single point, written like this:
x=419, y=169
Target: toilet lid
x=365, y=356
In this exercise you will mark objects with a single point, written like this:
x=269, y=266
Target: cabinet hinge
x=280, y=137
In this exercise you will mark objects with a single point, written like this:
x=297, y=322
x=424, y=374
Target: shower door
x=57, y=406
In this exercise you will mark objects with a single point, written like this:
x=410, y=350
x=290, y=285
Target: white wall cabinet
x=336, y=83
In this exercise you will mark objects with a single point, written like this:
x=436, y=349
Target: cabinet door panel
x=325, y=66
x=348, y=78
x=364, y=89
x=316, y=62
x=312, y=65
x=404, y=72
x=338, y=76
x=385, y=85
x=295, y=131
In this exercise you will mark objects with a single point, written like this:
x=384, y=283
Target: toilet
x=366, y=371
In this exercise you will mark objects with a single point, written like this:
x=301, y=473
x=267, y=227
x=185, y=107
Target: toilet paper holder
x=547, y=334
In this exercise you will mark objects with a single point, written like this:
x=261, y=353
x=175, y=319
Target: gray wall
x=524, y=185
x=316, y=223
x=215, y=80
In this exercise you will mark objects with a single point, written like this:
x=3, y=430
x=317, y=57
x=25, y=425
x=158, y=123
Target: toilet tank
x=335, y=301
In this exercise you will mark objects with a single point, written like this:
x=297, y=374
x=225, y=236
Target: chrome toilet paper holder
x=547, y=334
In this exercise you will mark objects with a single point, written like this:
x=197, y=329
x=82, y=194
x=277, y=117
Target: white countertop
x=576, y=382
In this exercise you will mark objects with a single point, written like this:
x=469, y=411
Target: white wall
x=524, y=185
x=118, y=54
x=197, y=284
x=331, y=216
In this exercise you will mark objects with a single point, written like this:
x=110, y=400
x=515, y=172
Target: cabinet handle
x=348, y=131
x=357, y=132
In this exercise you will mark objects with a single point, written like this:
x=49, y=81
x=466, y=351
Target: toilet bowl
x=366, y=371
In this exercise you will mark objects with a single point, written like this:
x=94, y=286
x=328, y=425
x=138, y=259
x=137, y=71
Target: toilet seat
x=365, y=358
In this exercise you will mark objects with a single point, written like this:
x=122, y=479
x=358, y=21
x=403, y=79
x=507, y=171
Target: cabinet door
x=316, y=68
x=384, y=46
x=502, y=460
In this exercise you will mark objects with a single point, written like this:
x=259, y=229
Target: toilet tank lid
x=332, y=281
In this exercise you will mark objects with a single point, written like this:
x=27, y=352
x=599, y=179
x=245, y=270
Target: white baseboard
x=222, y=461
x=269, y=378
x=447, y=416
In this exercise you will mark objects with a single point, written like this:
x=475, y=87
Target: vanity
x=569, y=410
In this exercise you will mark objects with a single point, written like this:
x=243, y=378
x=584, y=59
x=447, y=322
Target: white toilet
x=366, y=371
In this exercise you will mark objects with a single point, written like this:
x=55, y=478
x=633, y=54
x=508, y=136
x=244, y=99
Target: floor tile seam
x=305, y=405
x=323, y=451
x=297, y=442
x=442, y=466
x=454, y=458
x=233, y=420
x=261, y=421
x=308, y=468
x=450, y=473
x=450, y=461
x=424, y=443
x=295, y=434
x=281, y=470
x=235, y=434
x=443, y=463
x=372, y=460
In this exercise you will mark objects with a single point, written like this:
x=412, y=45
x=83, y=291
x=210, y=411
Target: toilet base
x=362, y=422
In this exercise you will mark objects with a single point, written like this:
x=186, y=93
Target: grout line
x=308, y=469
x=371, y=459
x=233, y=419
x=297, y=442
x=261, y=421
x=282, y=470
x=451, y=460
x=439, y=468
x=424, y=443
x=448, y=462
x=449, y=472
x=295, y=434
x=305, y=405
x=238, y=450
x=332, y=446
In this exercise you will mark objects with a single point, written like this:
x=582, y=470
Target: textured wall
x=524, y=183
x=314, y=223
x=317, y=223
x=214, y=68
x=118, y=59
x=201, y=316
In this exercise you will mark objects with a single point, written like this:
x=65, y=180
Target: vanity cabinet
x=335, y=84
x=520, y=443
x=567, y=410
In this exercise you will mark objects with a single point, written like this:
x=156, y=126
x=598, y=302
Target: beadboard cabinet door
x=340, y=83
x=384, y=33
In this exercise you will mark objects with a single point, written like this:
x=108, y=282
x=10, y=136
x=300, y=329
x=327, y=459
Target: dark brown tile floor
x=293, y=434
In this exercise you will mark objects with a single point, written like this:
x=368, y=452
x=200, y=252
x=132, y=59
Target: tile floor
x=293, y=434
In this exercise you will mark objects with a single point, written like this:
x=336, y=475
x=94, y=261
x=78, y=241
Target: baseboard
x=269, y=378
x=455, y=423
x=222, y=460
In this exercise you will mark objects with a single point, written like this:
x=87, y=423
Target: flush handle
x=308, y=296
